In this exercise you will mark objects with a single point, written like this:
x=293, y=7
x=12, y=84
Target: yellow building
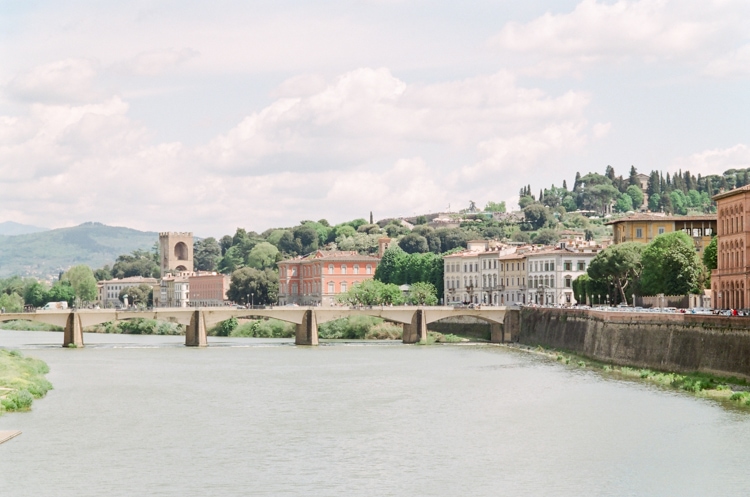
x=645, y=227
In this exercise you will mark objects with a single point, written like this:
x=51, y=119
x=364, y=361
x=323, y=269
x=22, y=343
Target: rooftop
x=655, y=217
x=730, y=193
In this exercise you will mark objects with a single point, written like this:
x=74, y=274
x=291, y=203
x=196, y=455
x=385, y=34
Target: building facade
x=471, y=276
x=109, y=290
x=319, y=278
x=512, y=275
x=176, y=253
x=551, y=272
x=644, y=228
x=730, y=281
x=208, y=289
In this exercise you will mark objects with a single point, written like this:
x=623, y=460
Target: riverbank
x=21, y=381
x=730, y=391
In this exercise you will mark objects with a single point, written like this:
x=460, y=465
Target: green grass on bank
x=731, y=389
x=23, y=325
x=21, y=381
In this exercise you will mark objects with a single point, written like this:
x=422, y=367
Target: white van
x=55, y=306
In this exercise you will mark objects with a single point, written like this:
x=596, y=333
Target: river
x=143, y=415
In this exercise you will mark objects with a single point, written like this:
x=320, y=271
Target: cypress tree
x=633, y=178
x=565, y=186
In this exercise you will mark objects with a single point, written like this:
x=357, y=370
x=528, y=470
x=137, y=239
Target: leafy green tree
x=232, y=260
x=62, y=291
x=81, y=278
x=422, y=293
x=372, y=292
x=306, y=239
x=452, y=238
x=624, y=203
x=414, y=243
x=139, y=263
x=525, y=201
x=521, y=236
x=597, y=192
x=104, y=273
x=11, y=302
x=36, y=295
x=710, y=255
x=671, y=265
x=264, y=285
x=620, y=265
x=322, y=230
x=494, y=207
x=139, y=296
x=225, y=242
x=391, y=265
x=206, y=254
x=287, y=244
x=546, y=236
x=226, y=327
x=636, y=194
x=536, y=215
x=262, y=256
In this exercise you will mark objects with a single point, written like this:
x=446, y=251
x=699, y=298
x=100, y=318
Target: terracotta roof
x=657, y=217
x=736, y=191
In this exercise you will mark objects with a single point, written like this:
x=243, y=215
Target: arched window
x=330, y=269
x=343, y=269
x=330, y=287
x=343, y=287
x=369, y=269
x=356, y=269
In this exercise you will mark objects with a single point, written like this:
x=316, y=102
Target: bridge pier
x=416, y=331
x=306, y=332
x=73, y=334
x=195, y=334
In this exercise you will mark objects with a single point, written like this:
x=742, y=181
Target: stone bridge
x=305, y=319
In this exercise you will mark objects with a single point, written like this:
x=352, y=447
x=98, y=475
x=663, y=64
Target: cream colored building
x=109, y=290
x=471, y=276
x=551, y=272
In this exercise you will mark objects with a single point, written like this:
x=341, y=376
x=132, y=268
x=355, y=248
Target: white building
x=550, y=272
x=471, y=276
x=109, y=290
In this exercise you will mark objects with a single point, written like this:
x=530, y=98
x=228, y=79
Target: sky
x=209, y=116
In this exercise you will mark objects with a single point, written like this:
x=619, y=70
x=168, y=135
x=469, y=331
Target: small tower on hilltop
x=176, y=252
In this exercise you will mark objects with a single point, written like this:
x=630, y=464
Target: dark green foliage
x=400, y=268
x=414, y=243
x=263, y=285
x=619, y=266
x=206, y=254
x=225, y=328
x=537, y=215
x=671, y=266
x=710, y=255
x=138, y=263
x=139, y=296
x=546, y=236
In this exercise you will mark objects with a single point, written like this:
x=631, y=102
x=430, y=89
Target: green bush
x=264, y=328
x=20, y=400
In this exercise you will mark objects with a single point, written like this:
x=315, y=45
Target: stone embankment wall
x=668, y=342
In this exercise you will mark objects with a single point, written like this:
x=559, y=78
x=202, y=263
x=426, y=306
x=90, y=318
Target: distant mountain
x=43, y=255
x=11, y=228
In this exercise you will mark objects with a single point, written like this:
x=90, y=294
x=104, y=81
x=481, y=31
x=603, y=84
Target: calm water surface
x=134, y=415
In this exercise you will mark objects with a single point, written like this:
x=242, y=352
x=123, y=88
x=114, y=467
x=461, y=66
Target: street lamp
x=252, y=300
x=247, y=299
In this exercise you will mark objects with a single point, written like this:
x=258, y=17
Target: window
x=639, y=232
x=330, y=269
x=568, y=282
x=343, y=269
x=567, y=266
x=356, y=269
x=551, y=266
x=581, y=266
x=546, y=266
x=369, y=269
x=343, y=287
x=484, y=264
x=661, y=230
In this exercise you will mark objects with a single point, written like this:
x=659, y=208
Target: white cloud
x=733, y=64
x=63, y=81
x=154, y=62
x=715, y=161
x=691, y=31
x=364, y=141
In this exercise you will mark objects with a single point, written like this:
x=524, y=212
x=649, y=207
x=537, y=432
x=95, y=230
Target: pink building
x=318, y=278
x=208, y=289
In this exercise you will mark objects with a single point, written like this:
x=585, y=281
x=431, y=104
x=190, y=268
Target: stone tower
x=176, y=252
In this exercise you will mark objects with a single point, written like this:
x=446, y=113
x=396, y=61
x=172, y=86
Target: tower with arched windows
x=176, y=252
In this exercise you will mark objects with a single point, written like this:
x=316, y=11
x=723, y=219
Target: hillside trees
x=138, y=263
x=206, y=254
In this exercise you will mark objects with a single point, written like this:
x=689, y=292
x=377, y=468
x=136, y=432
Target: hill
x=43, y=255
x=12, y=228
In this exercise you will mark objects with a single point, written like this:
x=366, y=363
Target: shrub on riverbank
x=360, y=328
x=23, y=325
x=21, y=381
x=138, y=326
x=263, y=328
